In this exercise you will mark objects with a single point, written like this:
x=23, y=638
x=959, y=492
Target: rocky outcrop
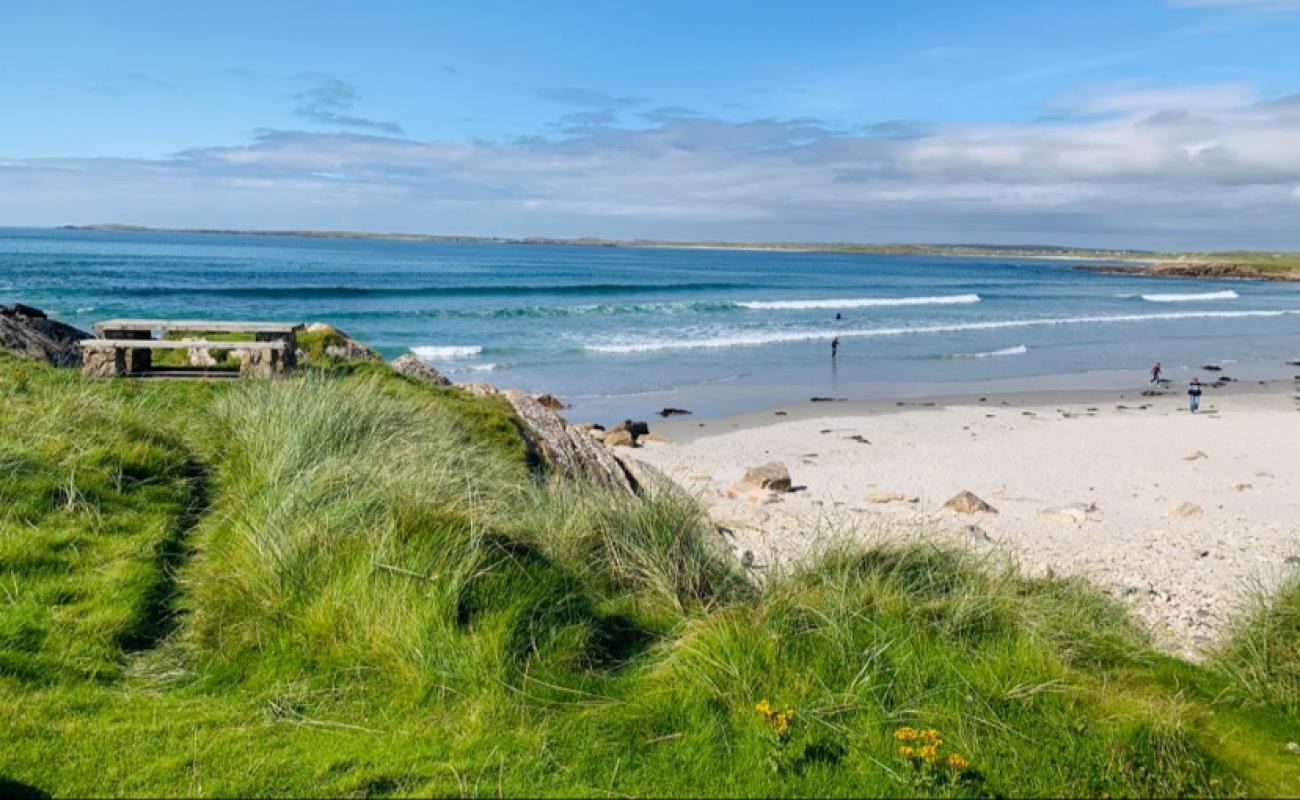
x=566, y=448
x=969, y=503
x=762, y=484
x=479, y=388
x=1199, y=269
x=618, y=438
x=412, y=367
x=635, y=429
x=28, y=333
x=550, y=401
x=341, y=346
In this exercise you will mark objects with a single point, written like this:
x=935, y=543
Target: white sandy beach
x=1129, y=460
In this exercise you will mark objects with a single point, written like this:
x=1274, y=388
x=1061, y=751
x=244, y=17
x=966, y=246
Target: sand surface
x=1124, y=463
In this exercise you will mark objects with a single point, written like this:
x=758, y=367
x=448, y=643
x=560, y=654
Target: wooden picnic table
x=125, y=346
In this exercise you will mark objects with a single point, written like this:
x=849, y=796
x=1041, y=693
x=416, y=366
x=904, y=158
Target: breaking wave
x=861, y=302
x=756, y=339
x=428, y=352
x=1190, y=298
x=1018, y=350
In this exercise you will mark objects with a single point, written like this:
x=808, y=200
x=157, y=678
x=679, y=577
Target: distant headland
x=1251, y=264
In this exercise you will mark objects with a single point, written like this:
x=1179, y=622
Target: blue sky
x=1163, y=123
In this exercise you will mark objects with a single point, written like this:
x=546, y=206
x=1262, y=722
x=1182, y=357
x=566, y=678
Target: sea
x=628, y=331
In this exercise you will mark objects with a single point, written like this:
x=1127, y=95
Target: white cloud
x=1169, y=167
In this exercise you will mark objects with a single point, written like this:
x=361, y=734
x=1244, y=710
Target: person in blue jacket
x=1194, y=394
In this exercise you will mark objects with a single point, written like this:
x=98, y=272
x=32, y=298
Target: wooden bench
x=126, y=346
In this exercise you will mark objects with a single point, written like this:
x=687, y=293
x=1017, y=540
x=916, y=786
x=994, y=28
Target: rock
x=1242, y=487
x=635, y=429
x=967, y=503
x=772, y=476
x=1293, y=748
x=349, y=350
x=413, y=367
x=1066, y=515
x=1211, y=367
x=828, y=400
x=480, y=389
x=26, y=332
x=655, y=437
x=1197, y=456
x=566, y=449
x=1185, y=510
x=352, y=350
x=594, y=428
x=619, y=438
x=892, y=497
x=199, y=356
x=670, y=412
x=550, y=401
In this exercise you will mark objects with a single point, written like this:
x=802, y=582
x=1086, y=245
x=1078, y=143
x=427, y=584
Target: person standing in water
x=835, y=347
x=1155, y=374
x=1194, y=394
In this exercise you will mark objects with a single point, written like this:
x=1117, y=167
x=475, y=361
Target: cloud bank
x=1189, y=166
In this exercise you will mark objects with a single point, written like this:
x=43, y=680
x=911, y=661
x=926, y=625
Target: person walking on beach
x=835, y=347
x=1194, y=394
x=1155, y=374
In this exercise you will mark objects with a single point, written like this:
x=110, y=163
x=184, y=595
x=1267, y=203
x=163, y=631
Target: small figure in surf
x=838, y=315
x=835, y=347
x=1155, y=374
x=1194, y=394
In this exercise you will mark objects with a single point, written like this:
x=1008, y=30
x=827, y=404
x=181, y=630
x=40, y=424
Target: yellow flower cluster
x=922, y=748
x=778, y=721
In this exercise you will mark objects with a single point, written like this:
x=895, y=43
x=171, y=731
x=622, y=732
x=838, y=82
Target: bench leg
x=289, y=354
x=139, y=360
x=262, y=363
x=103, y=363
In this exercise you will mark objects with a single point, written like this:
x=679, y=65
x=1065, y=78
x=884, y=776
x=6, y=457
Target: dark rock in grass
x=28, y=333
x=669, y=412
x=412, y=367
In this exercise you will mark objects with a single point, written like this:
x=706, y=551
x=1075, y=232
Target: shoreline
x=1179, y=517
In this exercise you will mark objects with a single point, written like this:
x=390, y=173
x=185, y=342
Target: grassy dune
x=351, y=584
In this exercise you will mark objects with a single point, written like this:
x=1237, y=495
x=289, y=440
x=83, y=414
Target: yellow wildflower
x=957, y=762
x=929, y=752
x=905, y=751
x=905, y=734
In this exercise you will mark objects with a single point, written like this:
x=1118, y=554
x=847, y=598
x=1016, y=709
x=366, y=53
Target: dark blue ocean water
x=629, y=330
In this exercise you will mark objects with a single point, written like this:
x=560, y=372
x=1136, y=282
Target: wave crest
x=430, y=352
x=1194, y=297
x=860, y=302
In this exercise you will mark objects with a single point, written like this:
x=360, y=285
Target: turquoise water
x=626, y=331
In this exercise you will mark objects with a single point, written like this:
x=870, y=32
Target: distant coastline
x=1261, y=265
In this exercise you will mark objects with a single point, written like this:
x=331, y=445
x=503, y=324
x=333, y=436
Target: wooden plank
x=176, y=344
x=205, y=325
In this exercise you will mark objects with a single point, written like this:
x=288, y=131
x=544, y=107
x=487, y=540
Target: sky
x=1167, y=124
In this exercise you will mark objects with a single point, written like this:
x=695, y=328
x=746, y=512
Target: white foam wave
x=758, y=339
x=474, y=368
x=1018, y=350
x=860, y=302
x=85, y=310
x=428, y=352
x=1190, y=298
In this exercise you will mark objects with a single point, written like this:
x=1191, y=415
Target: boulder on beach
x=658, y=438
x=27, y=333
x=968, y=503
x=413, y=367
x=635, y=428
x=762, y=484
x=772, y=476
x=619, y=438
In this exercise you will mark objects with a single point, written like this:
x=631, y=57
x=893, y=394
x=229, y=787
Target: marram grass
x=351, y=584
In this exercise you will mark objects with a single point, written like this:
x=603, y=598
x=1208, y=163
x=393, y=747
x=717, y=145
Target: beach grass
x=349, y=583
